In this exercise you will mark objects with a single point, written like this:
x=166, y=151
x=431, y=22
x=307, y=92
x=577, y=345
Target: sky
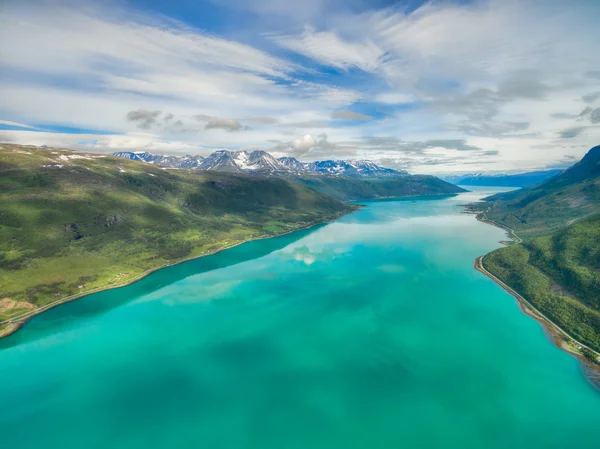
x=434, y=87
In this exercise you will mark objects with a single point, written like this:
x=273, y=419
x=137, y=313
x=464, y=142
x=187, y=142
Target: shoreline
x=14, y=324
x=555, y=334
x=511, y=234
x=416, y=195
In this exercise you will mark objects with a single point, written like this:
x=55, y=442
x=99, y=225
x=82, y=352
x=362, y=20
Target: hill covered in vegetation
x=553, y=204
x=344, y=180
x=72, y=222
x=345, y=188
x=557, y=265
x=559, y=274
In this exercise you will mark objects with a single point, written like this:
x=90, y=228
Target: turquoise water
x=370, y=332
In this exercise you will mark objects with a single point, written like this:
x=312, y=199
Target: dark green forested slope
x=559, y=274
x=348, y=189
x=70, y=222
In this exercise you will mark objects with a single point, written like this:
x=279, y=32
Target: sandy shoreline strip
x=557, y=335
x=12, y=325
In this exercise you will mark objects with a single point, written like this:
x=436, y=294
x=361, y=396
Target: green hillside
x=349, y=189
x=553, y=204
x=557, y=266
x=72, y=222
x=560, y=275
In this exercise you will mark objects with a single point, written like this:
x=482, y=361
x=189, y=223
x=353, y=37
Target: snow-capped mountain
x=221, y=160
x=502, y=179
x=352, y=168
x=136, y=155
x=340, y=167
x=242, y=161
x=293, y=164
x=260, y=161
x=188, y=161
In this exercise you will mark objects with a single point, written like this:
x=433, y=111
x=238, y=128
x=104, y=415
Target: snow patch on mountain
x=259, y=161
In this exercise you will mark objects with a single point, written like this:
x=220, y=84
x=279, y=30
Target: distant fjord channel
x=365, y=332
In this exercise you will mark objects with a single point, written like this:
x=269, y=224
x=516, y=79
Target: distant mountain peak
x=359, y=168
x=559, y=201
x=592, y=156
x=502, y=179
x=188, y=161
x=292, y=163
x=588, y=167
x=260, y=161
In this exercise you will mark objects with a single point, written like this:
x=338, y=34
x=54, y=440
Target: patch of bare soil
x=8, y=304
x=576, y=201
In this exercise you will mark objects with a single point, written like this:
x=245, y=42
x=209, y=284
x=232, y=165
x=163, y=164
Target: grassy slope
x=559, y=274
x=98, y=221
x=349, y=189
x=538, y=212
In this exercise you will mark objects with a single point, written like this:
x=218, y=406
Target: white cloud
x=487, y=73
x=90, y=37
x=304, y=143
x=488, y=127
x=394, y=98
x=344, y=114
x=15, y=124
x=230, y=125
x=109, y=62
x=105, y=143
x=328, y=48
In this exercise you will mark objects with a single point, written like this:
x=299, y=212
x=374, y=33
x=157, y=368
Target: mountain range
x=161, y=160
x=71, y=219
x=259, y=161
x=101, y=220
x=559, y=201
x=502, y=179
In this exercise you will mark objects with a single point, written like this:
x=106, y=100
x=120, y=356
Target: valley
x=72, y=223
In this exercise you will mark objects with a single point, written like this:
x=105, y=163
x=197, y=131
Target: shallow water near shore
x=373, y=331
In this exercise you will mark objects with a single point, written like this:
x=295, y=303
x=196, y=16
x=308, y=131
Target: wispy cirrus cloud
x=488, y=127
x=15, y=124
x=104, y=143
x=570, y=133
x=107, y=62
x=328, y=48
